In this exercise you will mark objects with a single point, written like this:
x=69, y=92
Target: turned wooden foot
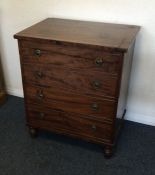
x=33, y=132
x=108, y=151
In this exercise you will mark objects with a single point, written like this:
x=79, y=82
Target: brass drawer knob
x=97, y=84
x=93, y=128
x=99, y=62
x=95, y=107
x=39, y=74
x=37, y=52
x=41, y=115
x=40, y=94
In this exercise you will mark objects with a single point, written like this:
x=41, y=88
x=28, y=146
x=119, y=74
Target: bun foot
x=108, y=151
x=33, y=132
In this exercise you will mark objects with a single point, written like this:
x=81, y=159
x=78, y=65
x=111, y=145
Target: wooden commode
x=75, y=77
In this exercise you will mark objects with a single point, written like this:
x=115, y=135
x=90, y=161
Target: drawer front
x=70, y=56
x=82, y=82
x=52, y=119
x=71, y=102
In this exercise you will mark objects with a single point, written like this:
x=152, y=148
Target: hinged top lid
x=108, y=35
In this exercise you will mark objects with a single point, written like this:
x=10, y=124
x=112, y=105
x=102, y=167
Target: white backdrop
x=16, y=15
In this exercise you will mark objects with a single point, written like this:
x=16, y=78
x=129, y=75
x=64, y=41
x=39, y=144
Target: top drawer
x=70, y=55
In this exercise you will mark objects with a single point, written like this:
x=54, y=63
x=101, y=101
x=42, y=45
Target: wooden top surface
x=94, y=33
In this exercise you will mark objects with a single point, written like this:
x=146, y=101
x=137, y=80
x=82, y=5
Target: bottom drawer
x=69, y=123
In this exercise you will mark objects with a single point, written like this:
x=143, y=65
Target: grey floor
x=52, y=154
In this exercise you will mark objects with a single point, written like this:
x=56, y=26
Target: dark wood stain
x=70, y=102
x=71, y=122
x=73, y=31
x=72, y=80
x=75, y=77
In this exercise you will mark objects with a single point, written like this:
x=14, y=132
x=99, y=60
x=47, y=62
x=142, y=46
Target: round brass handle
x=41, y=115
x=99, y=62
x=93, y=127
x=37, y=52
x=40, y=95
x=95, y=107
x=39, y=74
x=97, y=84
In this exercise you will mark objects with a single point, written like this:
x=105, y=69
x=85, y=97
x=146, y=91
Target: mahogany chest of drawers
x=75, y=77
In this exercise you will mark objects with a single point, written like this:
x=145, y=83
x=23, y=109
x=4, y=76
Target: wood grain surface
x=93, y=33
x=75, y=77
x=70, y=102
